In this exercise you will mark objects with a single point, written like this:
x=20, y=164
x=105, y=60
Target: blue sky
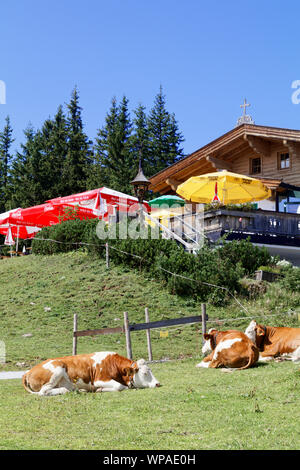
x=208, y=56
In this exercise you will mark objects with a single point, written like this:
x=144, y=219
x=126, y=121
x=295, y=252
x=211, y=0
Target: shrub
x=291, y=279
x=68, y=236
x=244, y=252
x=197, y=275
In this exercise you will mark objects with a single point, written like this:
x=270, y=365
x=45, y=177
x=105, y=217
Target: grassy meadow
x=194, y=409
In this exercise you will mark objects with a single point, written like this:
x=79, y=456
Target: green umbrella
x=167, y=200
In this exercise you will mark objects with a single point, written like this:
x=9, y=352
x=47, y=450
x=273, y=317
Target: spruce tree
x=114, y=148
x=38, y=166
x=79, y=153
x=140, y=139
x=25, y=172
x=164, y=136
x=55, y=148
x=102, y=147
x=6, y=141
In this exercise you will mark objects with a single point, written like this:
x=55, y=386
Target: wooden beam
x=173, y=183
x=102, y=331
x=162, y=323
x=260, y=146
x=218, y=163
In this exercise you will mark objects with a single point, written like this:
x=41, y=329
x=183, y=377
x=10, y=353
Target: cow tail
x=26, y=384
x=251, y=359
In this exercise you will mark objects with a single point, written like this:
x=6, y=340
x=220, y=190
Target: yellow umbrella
x=163, y=215
x=223, y=186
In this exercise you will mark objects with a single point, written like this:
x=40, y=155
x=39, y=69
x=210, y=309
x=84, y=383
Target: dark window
x=283, y=161
x=255, y=166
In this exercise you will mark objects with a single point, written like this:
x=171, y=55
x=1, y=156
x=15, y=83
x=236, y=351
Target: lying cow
x=274, y=341
x=96, y=372
x=231, y=349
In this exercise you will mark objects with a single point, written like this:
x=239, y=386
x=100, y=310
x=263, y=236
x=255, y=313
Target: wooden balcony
x=261, y=226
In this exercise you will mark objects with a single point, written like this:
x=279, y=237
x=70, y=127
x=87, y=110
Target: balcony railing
x=261, y=226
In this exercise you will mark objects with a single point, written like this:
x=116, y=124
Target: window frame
x=279, y=167
x=251, y=165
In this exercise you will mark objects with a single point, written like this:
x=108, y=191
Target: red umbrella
x=9, y=238
x=45, y=215
x=101, y=201
x=19, y=231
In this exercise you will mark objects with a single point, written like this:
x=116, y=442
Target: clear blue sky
x=207, y=56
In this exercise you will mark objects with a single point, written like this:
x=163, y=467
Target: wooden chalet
x=267, y=153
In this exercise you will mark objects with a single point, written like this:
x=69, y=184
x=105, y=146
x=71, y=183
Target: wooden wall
x=270, y=169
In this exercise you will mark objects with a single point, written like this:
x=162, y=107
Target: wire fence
x=225, y=320
x=174, y=329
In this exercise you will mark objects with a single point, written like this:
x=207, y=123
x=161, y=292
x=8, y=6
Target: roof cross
x=245, y=106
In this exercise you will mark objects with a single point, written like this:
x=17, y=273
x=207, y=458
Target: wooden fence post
x=148, y=335
x=107, y=255
x=127, y=336
x=203, y=310
x=74, y=337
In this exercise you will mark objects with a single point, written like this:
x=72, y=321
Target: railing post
x=203, y=311
x=74, y=337
x=148, y=335
x=127, y=336
x=107, y=255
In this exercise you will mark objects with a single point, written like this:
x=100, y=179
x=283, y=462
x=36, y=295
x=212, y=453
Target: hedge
x=223, y=266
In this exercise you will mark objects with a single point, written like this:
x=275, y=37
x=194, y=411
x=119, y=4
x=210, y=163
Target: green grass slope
x=40, y=294
x=257, y=408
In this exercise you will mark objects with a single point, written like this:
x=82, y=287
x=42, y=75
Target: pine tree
x=113, y=148
x=55, y=148
x=79, y=154
x=140, y=139
x=6, y=141
x=164, y=136
x=38, y=167
x=25, y=177
x=101, y=149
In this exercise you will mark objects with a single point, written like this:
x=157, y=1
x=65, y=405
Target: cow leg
x=268, y=354
x=215, y=364
x=109, y=386
x=54, y=391
x=265, y=358
x=205, y=362
x=296, y=355
x=59, y=377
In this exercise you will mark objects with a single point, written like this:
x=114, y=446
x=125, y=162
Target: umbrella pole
x=10, y=246
x=17, y=244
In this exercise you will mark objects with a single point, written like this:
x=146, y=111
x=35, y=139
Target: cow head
x=209, y=344
x=255, y=332
x=129, y=373
x=143, y=377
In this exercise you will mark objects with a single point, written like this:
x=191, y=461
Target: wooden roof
x=223, y=151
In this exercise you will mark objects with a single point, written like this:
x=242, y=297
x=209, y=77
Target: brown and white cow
x=95, y=372
x=275, y=341
x=230, y=349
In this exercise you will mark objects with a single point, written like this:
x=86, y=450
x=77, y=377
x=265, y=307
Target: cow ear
x=141, y=362
x=260, y=331
x=206, y=336
x=127, y=371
